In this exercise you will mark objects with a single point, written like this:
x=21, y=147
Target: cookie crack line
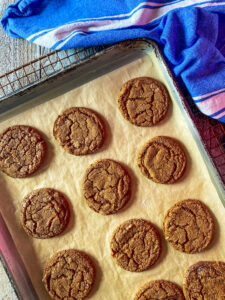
x=166, y=170
x=84, y=136
x=205, y=279
x=171, y=154
x=48, y=210
x=22, y=151
x=48, y=225
x=197, y=230
x=80, y=140
x=143, y=91
x=20, y=141
x=131, y=253
x=153, y=115
x=159, y=289
x=106, y=186
x=123, y=249
x=99, y=168
x=115, y=188
x=195, y=218
x=72, y=269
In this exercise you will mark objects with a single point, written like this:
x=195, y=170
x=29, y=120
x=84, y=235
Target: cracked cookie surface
x=69, y=274
x=159, y=290
x=136, y=245
x=22, y=151
x=79, y=131
x=143, y=101
x=188, y=226
x=106, y=186
x=162, y=160
x=44, y=213
x=205, y=280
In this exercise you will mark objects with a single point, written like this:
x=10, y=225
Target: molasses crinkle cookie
x=188, y=226
x=143, y=101
x=79, y=131
x=136, y=245
x=22, y=151
x=162, y=160
x=106, y=186
x=44, y=213
x=205, y=280
x=69, y=274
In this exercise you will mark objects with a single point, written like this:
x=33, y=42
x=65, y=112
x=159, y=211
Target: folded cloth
x=190, y=32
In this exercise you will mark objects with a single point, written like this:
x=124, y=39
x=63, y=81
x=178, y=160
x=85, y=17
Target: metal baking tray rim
x=7, y=104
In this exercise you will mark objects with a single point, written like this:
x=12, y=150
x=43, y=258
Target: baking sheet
x=88, y=230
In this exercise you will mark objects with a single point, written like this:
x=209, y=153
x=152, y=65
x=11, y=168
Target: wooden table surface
x=13, y=53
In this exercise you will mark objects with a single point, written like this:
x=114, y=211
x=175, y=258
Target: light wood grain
x=6, y=291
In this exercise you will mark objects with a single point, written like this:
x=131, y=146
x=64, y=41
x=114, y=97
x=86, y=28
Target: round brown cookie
x=159, y=290
x=188, y=226
x=143, y=101
x=79, y=131
x=22, y=150
x=44, y=213
x=162, y=160
x=69, y=274
x=106, y=186
x=205, y=280
x=136, y=245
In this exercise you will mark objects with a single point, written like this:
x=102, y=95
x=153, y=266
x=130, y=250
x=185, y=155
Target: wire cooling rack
x=43, y=68
x=211, y=131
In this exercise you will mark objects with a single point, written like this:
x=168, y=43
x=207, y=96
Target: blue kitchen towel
x=190, y=32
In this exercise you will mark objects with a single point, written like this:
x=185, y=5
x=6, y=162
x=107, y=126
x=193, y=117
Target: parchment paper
x=88, y=230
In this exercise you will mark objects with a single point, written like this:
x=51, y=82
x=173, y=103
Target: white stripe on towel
x=138, y=16
x=209, y=94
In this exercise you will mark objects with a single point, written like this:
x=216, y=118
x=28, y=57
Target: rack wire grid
x=211, y=131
